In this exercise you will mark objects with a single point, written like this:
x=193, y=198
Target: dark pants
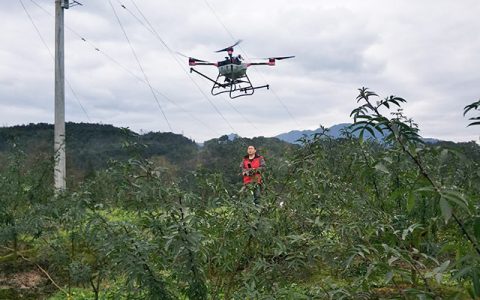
x=256, y=190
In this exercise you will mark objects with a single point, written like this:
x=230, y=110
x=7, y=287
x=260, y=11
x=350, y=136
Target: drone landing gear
x=232, y=87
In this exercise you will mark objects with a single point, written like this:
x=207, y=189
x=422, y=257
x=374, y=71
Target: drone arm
x=261, y=64
x=271, y=62
x=205, y=64
x=198, y=62
x=195, y=63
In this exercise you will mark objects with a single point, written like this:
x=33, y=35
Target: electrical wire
x=127, y=70
x=152, y=30
x=263, y=77
x=53, y=57
x=140, y=65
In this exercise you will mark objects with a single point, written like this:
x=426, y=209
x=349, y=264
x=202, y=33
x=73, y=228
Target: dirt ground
x=21, y=282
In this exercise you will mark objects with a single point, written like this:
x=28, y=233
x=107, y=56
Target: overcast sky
x=427, y=52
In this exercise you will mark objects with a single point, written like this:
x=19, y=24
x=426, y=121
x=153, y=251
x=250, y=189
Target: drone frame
x=231, y=86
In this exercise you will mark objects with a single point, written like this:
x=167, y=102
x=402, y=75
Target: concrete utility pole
x=59, y=131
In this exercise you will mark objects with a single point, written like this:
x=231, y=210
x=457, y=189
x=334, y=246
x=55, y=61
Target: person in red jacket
x=252, y=166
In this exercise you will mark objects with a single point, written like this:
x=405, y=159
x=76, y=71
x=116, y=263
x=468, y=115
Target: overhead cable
x=140, y=66
x=263, y=77
x=53, y=58
x=152, y=30
x=130, y=72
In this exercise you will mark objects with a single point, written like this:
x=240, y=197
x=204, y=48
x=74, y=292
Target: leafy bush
x=337, y=219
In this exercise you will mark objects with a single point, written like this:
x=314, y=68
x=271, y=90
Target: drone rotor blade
x=197, y=60
x=236, y=43
x=230, y=47
x=282, y=57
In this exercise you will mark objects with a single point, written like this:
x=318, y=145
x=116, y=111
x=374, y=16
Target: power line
x=53, y=58
x=152, y=30
x=140, y=65
x=116, y=62
x=263, y=77
x=220, y=21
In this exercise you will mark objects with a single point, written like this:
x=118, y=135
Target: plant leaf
x=476, y=283
x=381, y=167
x=410, y=201
x=476, y=228
x=388, y=277
x=445, y=208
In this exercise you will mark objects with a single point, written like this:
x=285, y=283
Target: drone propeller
x=230, y=48
x=282, y=57
x=271, y=61
x=276, y=58
x=193, y=59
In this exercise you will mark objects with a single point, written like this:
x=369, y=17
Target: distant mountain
x=431, y=140
x=335, y=131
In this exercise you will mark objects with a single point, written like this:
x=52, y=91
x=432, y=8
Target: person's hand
x=248, y=172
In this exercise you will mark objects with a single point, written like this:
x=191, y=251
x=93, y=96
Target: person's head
x=251, y=150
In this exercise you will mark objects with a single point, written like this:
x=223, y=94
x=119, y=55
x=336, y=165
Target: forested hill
x=91, y=146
